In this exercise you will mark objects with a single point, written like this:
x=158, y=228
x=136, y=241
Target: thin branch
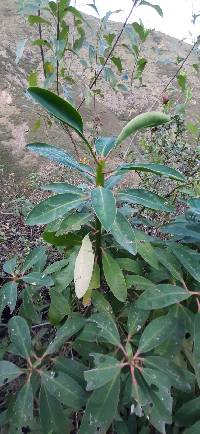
x=58, y=37
x=41, y=47
x=111, y=51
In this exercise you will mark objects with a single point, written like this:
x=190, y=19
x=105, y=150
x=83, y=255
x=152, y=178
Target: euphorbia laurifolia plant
x=121, y=362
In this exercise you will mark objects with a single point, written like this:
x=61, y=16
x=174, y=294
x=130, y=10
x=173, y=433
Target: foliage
x=125, y=352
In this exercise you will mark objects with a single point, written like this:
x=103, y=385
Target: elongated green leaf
x=188, y=413
x=189, y=259
x=62, y=280
x=129, y=265
x=101, y=408
x=107, y=327
x=157, y=169
x=8, y=372
x=104, y=145
x=70, y=328
x=169, y=261
x=147, y=252
x=51, y=414
x=9, y=266
x=155, y=333
x=145, y=120
x=194, y=429
x=196, y=350
x=23, y=407
x=8, y=296
x=138, y=282
x=136, y=390
x=114, y=277
x=156, y=7
x=107, y=368
x=64, y=389
x=101, y=303
x=104, y=206
x=161, y=296
x=33, y=257
x=54, y=207
x=145, y=198
x=59, y=307
x=58, y=107
x=62, y=187
x=83, y=267
x=28, y=310
x=60, y=156
x=124, y=234
x=37, y=279
x=56, y=266
x=68, y=240
x=35, y=19
x=72, y=367
x=180, y=378
x=136, y=319
x=73, y=222
x=20, y=335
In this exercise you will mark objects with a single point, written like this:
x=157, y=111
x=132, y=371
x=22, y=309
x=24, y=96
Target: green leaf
x=128, y=264
x=114, y=277
x=68, y=240
x=156, y=332
x=101, y=408
x=117, y=62
x=9, y=266
x=138, y=282
x=70, y=328
x=23, y=407
x=64, y=389
x=124, y=234
x=106, y=369
x=33, y=78
x=59, y=307
x=104, y=206
x=189, y=259
x=35, y=19
x=60, y=156
x=170, y=263
x=157, y=169
x=72, y=367
x=58, y=107
x=194, y=429
x=8, y=372
x=161, y=296
x=136, y=319
x=83, y=267
x=20, y=336
x=145, y=120
x=188, y=413
x=8, y=296
x=145, y=198
x=56, y=266
x=37, y=279
x=28, y=309
x=73, y=222
x=62, y=187
x=196, y=350
x=147, y=252
x=156, y=7
x=54, y=207
x=107, y=327
x=52, y=416
x=62, y=280
x=104, y=145
x=100, y=303
x=180, y=378
x=33, y=257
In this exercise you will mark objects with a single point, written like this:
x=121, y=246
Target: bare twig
x=41, y=47
x=111, y=51
x=58, y=37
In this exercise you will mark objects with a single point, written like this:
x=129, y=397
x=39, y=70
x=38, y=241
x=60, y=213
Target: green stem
x=99, y=183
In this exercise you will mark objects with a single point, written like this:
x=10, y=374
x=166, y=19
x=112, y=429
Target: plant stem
x=41, y=47
x=58, y=37
x=99, y=183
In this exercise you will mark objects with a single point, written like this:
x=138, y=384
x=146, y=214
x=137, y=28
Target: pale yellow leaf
x=83, y=267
